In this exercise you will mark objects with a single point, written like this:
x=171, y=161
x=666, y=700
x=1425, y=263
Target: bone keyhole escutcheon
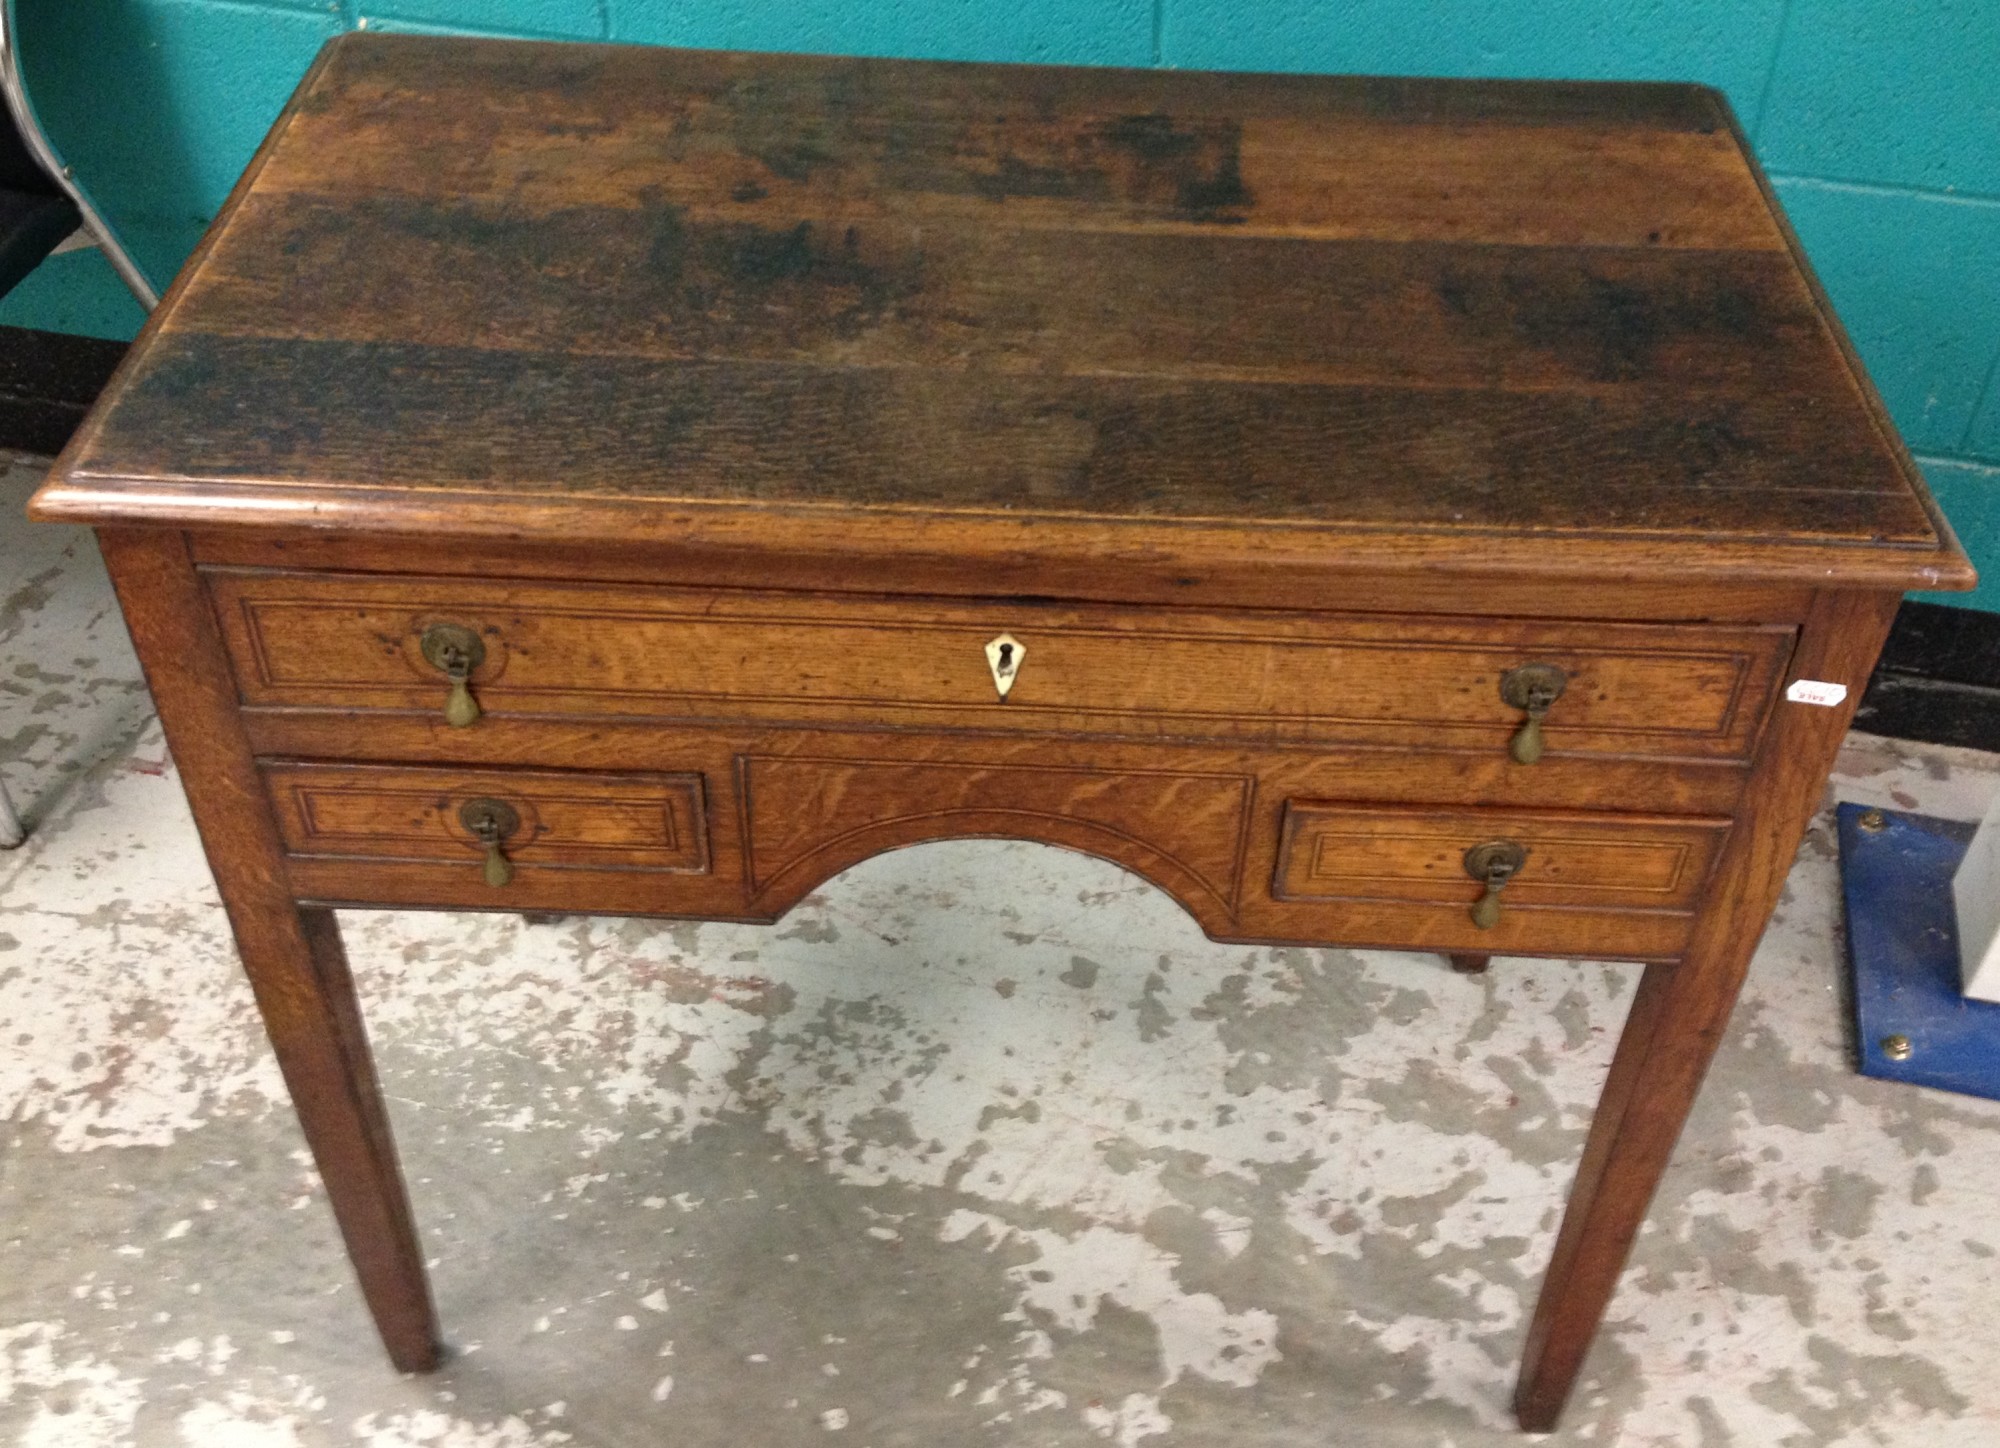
x=1003, y=657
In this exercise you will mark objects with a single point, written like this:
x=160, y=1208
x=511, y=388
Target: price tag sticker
x=1816, y=691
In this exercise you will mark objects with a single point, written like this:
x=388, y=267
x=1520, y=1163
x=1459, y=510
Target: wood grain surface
x=297, y=968
x=807, y=817
x=1138, y=577
x=1677, y=1019
x=567, y=818
x=735, y=403
x=1575, y=860
x=352, y=642
x=1387, y=772
x=1010, y=310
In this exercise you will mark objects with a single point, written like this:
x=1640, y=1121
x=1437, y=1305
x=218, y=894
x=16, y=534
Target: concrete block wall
x=1879, y=121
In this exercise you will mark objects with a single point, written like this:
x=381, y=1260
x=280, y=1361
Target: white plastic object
x=1975, y=896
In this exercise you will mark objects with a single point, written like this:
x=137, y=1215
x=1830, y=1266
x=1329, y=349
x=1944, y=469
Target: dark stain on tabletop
x=1202, y=163
x=654, y=275
x=1613, y=327
x=790, y=143
x=1146, y=164
x=823, y=277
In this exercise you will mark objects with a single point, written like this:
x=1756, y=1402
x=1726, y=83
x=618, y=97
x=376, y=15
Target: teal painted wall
x=1878, y=119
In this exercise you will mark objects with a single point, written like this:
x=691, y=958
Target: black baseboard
x=1931, y=711
x=47, y=382
x=1938, y=680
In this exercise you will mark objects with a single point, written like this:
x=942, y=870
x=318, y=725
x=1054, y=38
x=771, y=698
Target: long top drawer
x=349, y=642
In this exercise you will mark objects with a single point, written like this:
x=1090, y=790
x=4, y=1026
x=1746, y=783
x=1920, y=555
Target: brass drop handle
x=455, y=651
x=491, y=821
x=1493, y=864
x=1533, y=689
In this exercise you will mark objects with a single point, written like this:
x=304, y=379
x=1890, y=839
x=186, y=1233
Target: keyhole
x=1003, y=657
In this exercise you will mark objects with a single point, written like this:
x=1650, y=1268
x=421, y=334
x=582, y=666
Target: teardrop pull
x=460, y=708
x=490, y=822
x=1493, y=864
x=454, y=651
x=1533, y=689
x=1526, y=745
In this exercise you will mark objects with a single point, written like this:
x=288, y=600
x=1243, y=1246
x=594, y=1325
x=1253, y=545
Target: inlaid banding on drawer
x=1574, y=860
x=626, y=822
x=329, y=641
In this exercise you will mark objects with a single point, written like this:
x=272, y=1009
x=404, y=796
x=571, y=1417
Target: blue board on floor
x=1902, y=945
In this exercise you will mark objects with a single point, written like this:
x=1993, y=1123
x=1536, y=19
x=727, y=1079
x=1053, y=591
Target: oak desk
x=1436, y=515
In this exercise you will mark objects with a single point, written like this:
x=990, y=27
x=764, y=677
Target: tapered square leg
x=1681, y=1009
x=351, y=1142
x=293, y=956
x=1646, y=1099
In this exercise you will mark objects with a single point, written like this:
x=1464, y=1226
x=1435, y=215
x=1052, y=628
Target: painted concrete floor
x=984, y=1144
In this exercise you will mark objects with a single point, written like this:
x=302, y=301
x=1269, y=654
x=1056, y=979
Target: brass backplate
x=489, y=820
x=440, y=641
x=1504, y=857
x=1532, y=686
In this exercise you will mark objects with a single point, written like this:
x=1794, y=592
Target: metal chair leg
x=11, y=833
x=15, y=92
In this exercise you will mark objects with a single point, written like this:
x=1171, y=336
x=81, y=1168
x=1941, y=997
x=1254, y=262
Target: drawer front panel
x=1577, y=860
x=1589, y=883
x=343, y=642
x=565, y=822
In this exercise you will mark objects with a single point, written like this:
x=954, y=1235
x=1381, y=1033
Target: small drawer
x=342, y=642
x=1585, y=884
x=512, y=838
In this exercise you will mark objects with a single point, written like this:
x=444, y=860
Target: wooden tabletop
x=494, y=288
